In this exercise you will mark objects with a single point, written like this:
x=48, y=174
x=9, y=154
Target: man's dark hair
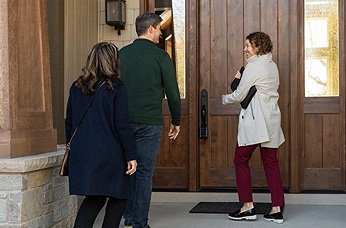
x=144, y=20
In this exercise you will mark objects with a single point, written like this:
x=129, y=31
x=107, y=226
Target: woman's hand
x=131, y=167
x=237, y=75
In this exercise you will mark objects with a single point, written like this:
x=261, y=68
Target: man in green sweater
x=148, y=74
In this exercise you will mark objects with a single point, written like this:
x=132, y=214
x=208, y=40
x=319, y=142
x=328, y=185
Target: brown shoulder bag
x=64, y=165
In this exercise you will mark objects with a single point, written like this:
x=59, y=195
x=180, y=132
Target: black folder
x=249, y=96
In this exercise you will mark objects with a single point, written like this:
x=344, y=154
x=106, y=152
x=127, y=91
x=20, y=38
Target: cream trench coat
x=260, y=122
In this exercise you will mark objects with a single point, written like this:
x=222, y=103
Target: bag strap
x=91, y=101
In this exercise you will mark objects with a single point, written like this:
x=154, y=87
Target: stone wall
x=33, y=195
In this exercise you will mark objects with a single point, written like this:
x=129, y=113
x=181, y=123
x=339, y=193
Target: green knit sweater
x=148, y=73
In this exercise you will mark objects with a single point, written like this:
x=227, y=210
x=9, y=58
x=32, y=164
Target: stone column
x=26, y=124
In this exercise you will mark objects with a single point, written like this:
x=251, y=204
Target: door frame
x=192, y=66
x=295, y=98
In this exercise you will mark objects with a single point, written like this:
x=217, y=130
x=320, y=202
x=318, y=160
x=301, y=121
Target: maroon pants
x=271, y=167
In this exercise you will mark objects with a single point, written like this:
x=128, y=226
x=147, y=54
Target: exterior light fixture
x=116, y=14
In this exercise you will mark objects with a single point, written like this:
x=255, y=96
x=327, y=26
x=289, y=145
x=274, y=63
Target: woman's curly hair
x=102, y=63
x=262, y=41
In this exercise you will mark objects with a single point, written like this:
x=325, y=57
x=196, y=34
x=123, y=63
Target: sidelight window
x=321, y=48
x=173, y=35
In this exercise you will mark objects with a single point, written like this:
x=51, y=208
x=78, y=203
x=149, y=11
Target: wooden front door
x=313, y=156
x=223, y=26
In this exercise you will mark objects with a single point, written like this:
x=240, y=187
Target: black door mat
x=228, y=207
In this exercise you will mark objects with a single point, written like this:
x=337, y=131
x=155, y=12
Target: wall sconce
x=116, y=14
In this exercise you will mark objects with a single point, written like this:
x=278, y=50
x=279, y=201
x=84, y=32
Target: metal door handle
x=203, y=130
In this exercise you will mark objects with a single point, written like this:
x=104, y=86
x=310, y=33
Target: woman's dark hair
x=262, y=41
x=144, y=20
x=102, y=62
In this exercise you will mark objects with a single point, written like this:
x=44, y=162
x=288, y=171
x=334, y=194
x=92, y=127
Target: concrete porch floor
x=171, y=210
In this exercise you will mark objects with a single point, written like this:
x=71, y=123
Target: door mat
x=228, y=207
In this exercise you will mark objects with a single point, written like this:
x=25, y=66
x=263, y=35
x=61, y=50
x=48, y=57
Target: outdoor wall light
x=116, y=14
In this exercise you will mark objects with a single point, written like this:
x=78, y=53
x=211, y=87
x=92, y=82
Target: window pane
x=173, y=35
x=178, y=7
x=316, y=33
x=321, y=48
x=315, y=77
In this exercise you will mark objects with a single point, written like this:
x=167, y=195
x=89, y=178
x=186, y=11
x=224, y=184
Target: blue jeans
x=147, y=140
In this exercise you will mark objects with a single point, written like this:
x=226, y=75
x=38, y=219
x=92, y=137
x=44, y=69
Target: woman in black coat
x=102, y=152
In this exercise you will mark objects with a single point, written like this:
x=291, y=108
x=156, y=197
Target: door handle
x=203, y=130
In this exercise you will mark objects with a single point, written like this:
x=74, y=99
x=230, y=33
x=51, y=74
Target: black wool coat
x=103, y=143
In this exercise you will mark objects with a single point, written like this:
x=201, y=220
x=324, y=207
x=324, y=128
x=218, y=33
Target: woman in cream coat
x=259, y=125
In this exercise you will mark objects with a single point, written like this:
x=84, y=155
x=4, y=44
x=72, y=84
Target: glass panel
x=316, y=33
x=123, y=12
x=321, y=48
x=112, y=11
x=169, y=45
x=179, y=38
x=315, y=77
x=173, y=35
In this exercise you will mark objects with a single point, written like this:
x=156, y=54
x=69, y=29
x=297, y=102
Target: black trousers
x=92, y=205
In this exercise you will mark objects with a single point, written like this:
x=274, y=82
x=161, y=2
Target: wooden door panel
x=269, y=22
x=214, y=39
x=218, y=64
x=235, y=18
x=171, y=166
x=313, y=141
x=225, y=178
x=178, y=153
x=222, y=178
x=231, y=139
x=218, y=141
x=164, y=157
x=331, y=141
x=322, y=179
x=322, y=167
x=205, y=163
x=252, y=21
x=170, y=178
x=223, y=26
